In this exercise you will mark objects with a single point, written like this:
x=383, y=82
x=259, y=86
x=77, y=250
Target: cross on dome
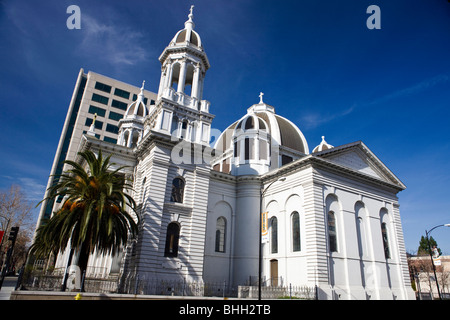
x=261, y=97
x=142, y=88
x=190, y=23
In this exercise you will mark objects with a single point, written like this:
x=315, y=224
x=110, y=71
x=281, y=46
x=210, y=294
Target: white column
x=182, y=77
x=256, y=144
x=195, y=84
x=130, y=138
x=180, y=128
x=169, y=72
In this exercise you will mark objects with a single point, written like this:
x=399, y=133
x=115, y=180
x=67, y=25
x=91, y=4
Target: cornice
x=185, y=49
x=321, y=163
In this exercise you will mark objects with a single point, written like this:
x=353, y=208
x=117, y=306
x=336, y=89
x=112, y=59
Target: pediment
x=358, y=157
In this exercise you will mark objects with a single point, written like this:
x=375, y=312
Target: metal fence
x=40, y=281
x=131, y=283
x=278, y=292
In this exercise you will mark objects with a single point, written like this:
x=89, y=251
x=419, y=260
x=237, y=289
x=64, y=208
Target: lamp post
x=431, y=255
x=262, y=192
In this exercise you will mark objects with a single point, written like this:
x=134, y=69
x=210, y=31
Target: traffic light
x=13, y=233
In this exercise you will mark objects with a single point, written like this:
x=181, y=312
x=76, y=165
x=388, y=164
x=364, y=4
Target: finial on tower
x=190, y=22
x=261, y=97
x=141, y=94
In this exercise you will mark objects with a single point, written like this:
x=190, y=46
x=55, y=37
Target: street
x=8, y=286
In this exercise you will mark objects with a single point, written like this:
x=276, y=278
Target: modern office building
x=94, y=94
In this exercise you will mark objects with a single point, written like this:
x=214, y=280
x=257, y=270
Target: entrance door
x=274, y=272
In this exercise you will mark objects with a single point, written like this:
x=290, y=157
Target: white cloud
x=314, y=120
x=115, y=43
x=414, y=89
x=31, y=188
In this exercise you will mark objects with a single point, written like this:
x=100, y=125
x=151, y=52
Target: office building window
x=110, y=140
x=98, y=124
x=115, y=116
x=112, y=128
x=122, y=93
x=102, y=87
x=119, y=105
x=100, y=99
x=96, y=110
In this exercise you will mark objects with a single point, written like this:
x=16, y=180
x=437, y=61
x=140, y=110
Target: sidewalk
x=8, y=286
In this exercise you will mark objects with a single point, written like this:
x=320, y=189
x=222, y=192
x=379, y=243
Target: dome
x=262, y=117
x=322, y=146
x=261, y=140
x=184, y=36
x=187, y=35
x=251, y=122
x=137, y=108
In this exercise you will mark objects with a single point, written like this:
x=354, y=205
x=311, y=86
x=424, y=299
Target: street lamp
x=431, y=255
x=262, y=192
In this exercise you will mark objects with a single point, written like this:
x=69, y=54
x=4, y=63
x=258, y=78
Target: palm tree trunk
x=82, y=264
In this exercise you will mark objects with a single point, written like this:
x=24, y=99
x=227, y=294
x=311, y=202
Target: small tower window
x=177, y=190
x=172, y=238
x=247, y=149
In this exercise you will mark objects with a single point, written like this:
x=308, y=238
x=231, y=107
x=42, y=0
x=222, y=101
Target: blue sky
x=316, y=62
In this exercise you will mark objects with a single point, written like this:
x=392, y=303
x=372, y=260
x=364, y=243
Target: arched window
x=221, y=229
x=172, y=237
x=247, y=149
x=177, y=190
x=125, y=138
x=135, y=139
x=175, y=76
x=274, y=235
x=332, y=239
x=360, y=214
x=174, y=128
x=384, y=234
x=184, y=128
x=249, y=124
x=295, y=218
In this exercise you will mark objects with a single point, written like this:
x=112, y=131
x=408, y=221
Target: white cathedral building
x=333, y=217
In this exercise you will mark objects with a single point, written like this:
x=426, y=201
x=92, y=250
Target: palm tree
x=94, y=213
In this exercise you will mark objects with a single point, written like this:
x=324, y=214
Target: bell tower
x=180, y=110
